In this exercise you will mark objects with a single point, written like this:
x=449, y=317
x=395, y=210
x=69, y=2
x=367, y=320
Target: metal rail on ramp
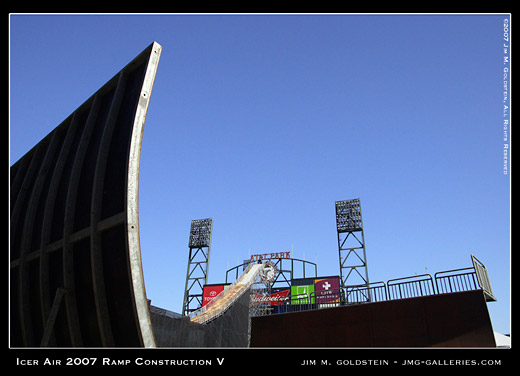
x=225, y=299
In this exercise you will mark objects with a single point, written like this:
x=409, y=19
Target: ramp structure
x=76, y=277
x=226, y=298
x=458, y=319
x=447, y=309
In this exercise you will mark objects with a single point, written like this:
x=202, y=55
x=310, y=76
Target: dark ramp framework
x=447, y=320
x=75, y=261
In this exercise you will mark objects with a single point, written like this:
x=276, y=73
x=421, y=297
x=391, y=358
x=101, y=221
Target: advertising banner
x=327, y=290
x=302, y=294
x=210, y=292
x=273, y=298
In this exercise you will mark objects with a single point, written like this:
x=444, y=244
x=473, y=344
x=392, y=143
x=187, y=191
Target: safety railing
x=372, y=292
x=483, y=278
x=456, y=280
x=450, y=281
x=467, y=279
x=410, y=287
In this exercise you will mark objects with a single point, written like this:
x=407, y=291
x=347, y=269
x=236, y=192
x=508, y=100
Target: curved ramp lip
x=76, y=276
x=132, y=200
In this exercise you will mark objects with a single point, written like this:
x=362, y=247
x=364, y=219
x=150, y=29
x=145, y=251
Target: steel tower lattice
x=351, y=244
x=198, y=264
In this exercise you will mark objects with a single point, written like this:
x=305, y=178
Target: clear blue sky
x=262, y=122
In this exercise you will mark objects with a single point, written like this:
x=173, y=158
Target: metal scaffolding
x=198, y=264
x=351, y=245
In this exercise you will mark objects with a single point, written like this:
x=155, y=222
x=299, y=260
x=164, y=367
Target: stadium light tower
x=351, y=244
x=198, y=263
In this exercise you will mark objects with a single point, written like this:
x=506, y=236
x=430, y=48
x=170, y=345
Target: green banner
x=302, y=294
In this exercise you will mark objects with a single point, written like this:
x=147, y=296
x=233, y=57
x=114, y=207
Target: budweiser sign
x=275, y=298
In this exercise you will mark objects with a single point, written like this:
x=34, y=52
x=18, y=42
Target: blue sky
x=262, y=122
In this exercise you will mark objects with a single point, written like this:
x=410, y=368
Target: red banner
x=210, y=293
x=275, y=298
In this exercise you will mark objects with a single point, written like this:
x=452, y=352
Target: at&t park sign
x=268, y=256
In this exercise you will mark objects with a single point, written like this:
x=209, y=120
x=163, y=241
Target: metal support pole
x=352, y=254
x=49, y=327
x=198, y=264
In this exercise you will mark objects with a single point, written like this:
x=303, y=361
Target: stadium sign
x=273, y=298
x=210, y=292
x=327, y=290
x=268, y=256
